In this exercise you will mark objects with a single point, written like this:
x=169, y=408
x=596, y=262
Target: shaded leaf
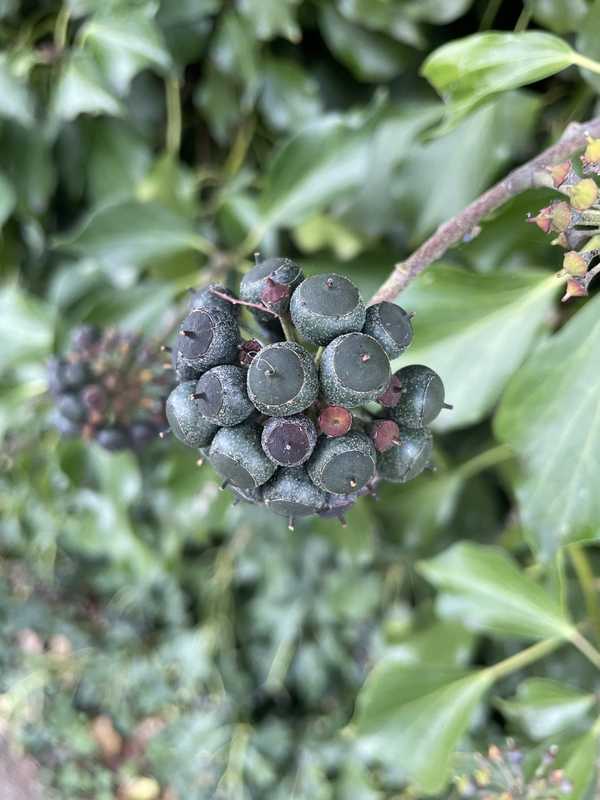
x=131, y=233
x=578, y=759
x=550, y=416
x=545, y=707
x=475, y=330
x=559, y=16
x=467, y=72
x=391, y=18
x=123, y=43
x=484, y=588
x=418, y=710
x=81, y=89
x=7, y=199
x=370, y=56
x=15, y=100
x=270, y=18
x=26, y=327
x=290, y=95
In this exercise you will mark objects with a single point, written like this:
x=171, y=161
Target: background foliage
x=155, y=641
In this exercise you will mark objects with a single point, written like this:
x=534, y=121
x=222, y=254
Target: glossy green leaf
x=290, y=95
x=588, y=43
x=270, y=18
x=467, y=72
x=391, y=18
x=544, y=707
x=475, y=330
x=418, y=710
x=578, y=758
x=370, y=56
x=26, y=327
x=550, y=416
x=438, y=12
x=131, y=233
x=445, y=643
x=559, y=16
x=484, y=588
x=7, y=199
x=118, y=160
x=438, y=178
x=325, y=160
x=125, y=43
x=15, y=100
x=82, y=89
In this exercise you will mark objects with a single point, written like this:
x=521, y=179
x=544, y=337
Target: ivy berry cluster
x=576, y=219
x=306, y=417
x=110, y=386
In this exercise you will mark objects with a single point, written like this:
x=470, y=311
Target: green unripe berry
x=205, y=298
x=326, y=306
x=185, y=419
x=237, y=455
x=207, y=337
x=404, y=461
x=354, y=370
x=221, y=395
x=271, y=283
x=289, y=441
x=282, y=379
x=343, y=465
x=390, y=325
x=421, y=396
x=292, y=494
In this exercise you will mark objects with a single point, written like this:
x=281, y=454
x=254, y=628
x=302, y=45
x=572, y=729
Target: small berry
x=354, y=370
x=66, y=427
x=71, y=407
x=248, y=350
x=112, y=438
x=392, y=394
x=83, y=337
x=289, y=441
x=326, y=306
x=422, y=396
x=141, y=434
x=207, y=338
x=384, y=433
x=282, y=379
x=291, y=494
x=343, y=465
x=390, y=325
x=271, y=282
x=335, y=421
x=237, y=455
x=406, y=460
x=221, y=395
x=185, y=419
x=206, y=298
x=75, y=375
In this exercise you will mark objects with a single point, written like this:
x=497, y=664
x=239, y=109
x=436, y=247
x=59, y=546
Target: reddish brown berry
x=335, y=421
x=385, y=433
x=391, y=396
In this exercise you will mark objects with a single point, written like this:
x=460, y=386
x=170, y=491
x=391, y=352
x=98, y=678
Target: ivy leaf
x=544, y=707
x=26, y=327
x=123, y=43
x=7, y=199
x=131, y=233
x=81, y=89
x=370, y=56
x=290, y=96
x=550, y=415
x=475, y=330
x=393, y=19
x=484, y=588
x=270, y=18
x=15, y=100
x=443, y=643
x=578, y=759
x=326, y=159
x=467, y=72
x=421, y=710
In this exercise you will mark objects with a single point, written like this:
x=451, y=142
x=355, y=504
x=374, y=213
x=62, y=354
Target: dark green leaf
x=559, y=16
x=391, y=18
x=549, y=415
x=421, y=710
x=82, y=89
x=7, y=199
x=475, y=330
x=485, y=589
x=370, y=56
x=15, y=100
x=545, y=707
x=290, y=96
x=467, y=72
x=270, y=18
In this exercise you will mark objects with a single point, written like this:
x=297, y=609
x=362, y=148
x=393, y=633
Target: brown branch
x=519, y=180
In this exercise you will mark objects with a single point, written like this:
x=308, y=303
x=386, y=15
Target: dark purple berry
x=390, y=325
x=326, y=306
x=406, y=460
x=343, y=465
x=237, y=455
x=221, y=395
x=112, y=438
x=391, y=396
x=289, y=441
x=206, y=298
x=354, y=370
x=71, y=407
x=184, y=417
x=384, y=434
x=292, y=494
x=421, y=398
x=282, y=379
x=271, y=283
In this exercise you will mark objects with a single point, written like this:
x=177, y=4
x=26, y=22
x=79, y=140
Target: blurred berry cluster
x=502, y=775
x=110, y=386
x=305, y=415
x=576, y=220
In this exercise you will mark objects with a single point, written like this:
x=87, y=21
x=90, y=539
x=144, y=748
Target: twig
x=236, y=302
x=525, y=177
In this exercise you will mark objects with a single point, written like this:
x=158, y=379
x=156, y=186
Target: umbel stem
x=525, y=177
